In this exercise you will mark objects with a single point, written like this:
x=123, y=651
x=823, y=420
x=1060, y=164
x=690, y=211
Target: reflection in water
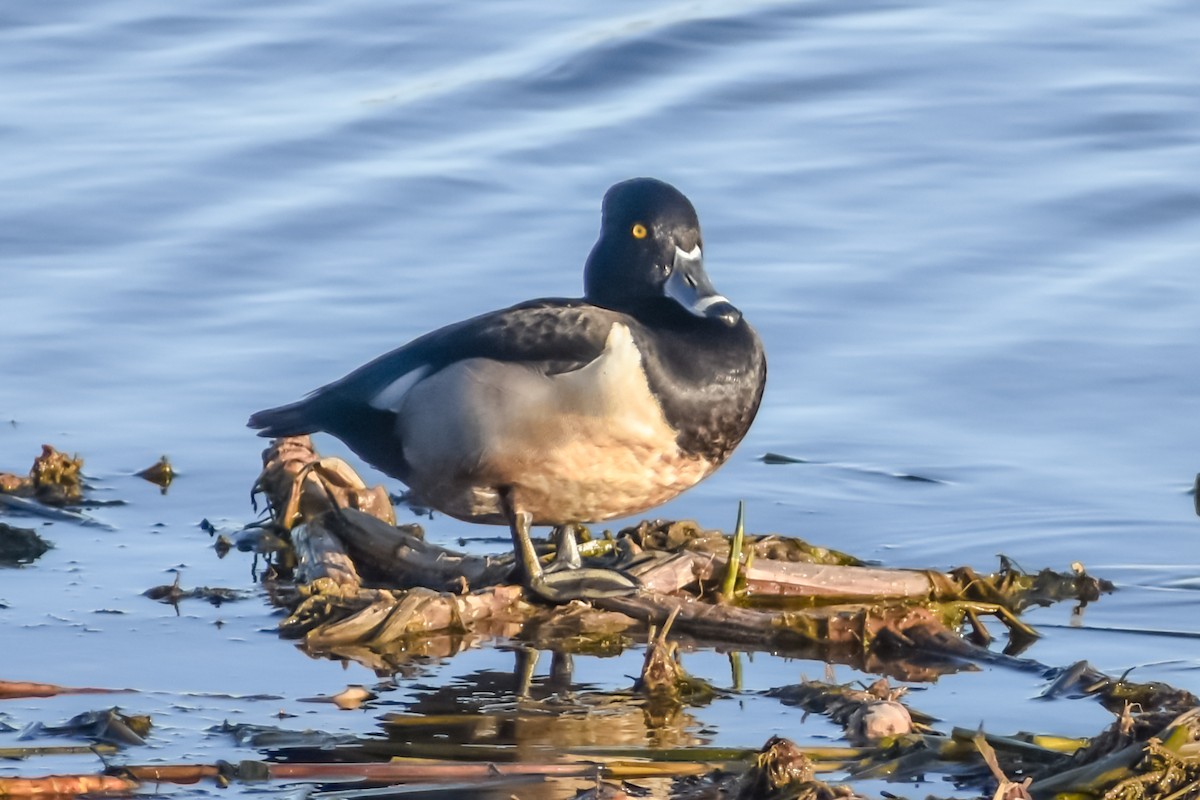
x=540, y=718
x=516, y=716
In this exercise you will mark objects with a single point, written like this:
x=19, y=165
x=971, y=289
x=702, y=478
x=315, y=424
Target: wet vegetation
x=355, y=586
x=20, y=545
x=55, y=479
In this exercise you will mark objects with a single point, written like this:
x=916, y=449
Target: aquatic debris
x=480, y=775
x=350, y=698
x=1005, y=789
x=664, y=682
x=365, y=583
x=272, y=737
x=297, y=482
x=661, y=671
x=261, y=540
x=796, y=575
x=173, y=593
x=867, y=714
x=21, y=545
x=335, y=608
x=1140, y=756
x=53, y=488
x=1153, y=750
x=399, y=556
x=663, y=674
x=780, y=771
x=66, y=786
x=879, y=719
x=55, y=479
x=331, y=616
x=14, y=689
x=110, y=726
x=35, y=751
x=379, y=593
x=25, y=505
x=1116, y=694
x=161, y=473
x=606, y=790
x=687, y=535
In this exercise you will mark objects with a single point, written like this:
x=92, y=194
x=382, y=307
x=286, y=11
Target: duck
x=562, y=411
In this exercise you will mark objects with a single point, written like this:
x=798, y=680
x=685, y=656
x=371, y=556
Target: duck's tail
x=294, y=419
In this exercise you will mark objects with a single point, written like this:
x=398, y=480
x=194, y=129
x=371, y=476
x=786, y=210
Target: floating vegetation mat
x=357, y=586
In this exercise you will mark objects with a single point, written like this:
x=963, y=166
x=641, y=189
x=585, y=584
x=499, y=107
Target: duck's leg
x=560, y=587
x=566, y=549
x=519, y=523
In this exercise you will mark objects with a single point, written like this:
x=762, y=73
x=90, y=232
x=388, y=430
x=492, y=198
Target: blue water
x=967, y=234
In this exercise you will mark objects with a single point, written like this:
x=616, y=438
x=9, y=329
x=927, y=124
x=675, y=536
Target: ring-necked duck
x=562, y=411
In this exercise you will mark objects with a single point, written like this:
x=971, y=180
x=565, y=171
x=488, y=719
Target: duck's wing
x=552, y=336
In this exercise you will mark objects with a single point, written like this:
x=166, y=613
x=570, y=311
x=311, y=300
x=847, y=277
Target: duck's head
x=650, y=248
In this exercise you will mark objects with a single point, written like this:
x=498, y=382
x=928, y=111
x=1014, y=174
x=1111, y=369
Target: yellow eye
x=639, y=231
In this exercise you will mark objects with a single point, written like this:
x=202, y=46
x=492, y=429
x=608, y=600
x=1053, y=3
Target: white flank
x=391, y=397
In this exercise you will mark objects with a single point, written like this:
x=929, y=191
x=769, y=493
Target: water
x=967, y=236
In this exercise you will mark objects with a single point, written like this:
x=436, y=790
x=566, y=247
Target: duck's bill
x=688, y=285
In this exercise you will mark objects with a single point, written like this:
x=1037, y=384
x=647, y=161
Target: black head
x=650, y=251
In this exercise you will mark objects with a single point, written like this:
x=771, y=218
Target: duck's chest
x=709, y=387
